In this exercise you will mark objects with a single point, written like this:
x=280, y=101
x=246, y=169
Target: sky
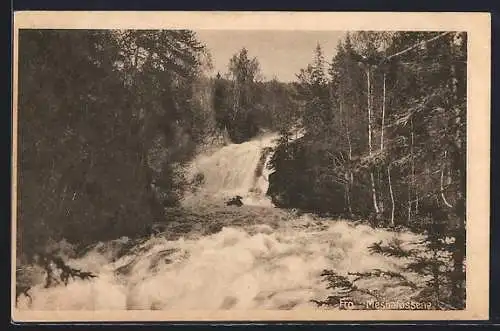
x=281, y=54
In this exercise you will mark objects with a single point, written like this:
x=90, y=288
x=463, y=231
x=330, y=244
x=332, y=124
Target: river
x=225, y=257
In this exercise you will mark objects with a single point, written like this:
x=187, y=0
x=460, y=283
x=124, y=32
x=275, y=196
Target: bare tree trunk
x=135, y=63
x=351, y=175
x=382, y=129
x=443, y=196
x=413, y=166
x=349, y=172
x=392, y=194
x=417, y=199
x=410, y=182
x=370, y=151
x=225, y=135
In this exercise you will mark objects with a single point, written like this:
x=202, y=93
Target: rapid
x=252, y=257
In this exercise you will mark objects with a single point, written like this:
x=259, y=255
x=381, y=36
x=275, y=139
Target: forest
x=109, y=118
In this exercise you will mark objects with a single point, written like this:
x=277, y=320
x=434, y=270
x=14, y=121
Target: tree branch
x=416, y=45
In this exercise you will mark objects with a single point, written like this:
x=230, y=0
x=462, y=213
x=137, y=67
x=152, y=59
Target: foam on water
x=257, y=259
x=250, y=267
x=230, y=171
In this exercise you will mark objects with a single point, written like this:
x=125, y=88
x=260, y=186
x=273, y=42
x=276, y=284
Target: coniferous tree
x=111, y=104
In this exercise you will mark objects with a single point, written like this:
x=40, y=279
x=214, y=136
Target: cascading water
x=236, y=169
x=250, y=257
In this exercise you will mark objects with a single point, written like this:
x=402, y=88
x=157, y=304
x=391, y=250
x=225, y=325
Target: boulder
x=235, y=201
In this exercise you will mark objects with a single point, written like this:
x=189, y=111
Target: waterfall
x=236, y=169
x=218, y=257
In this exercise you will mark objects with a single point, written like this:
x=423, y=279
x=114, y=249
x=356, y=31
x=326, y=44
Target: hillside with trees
x=104, y=116
x=109, y=119
x=385, y=137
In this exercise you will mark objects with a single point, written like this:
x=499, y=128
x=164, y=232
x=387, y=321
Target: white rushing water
x=231, y=171
x=261, y=257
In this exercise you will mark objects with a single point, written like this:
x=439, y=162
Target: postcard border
x=477, y=25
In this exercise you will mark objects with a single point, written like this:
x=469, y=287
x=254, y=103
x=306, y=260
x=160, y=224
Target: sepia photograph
x=210, y=172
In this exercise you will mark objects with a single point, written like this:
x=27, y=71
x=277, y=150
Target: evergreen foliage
x=387, y=126
x=108, y=119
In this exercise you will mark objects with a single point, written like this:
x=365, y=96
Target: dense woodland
x=107, y=119
x=385, y=139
